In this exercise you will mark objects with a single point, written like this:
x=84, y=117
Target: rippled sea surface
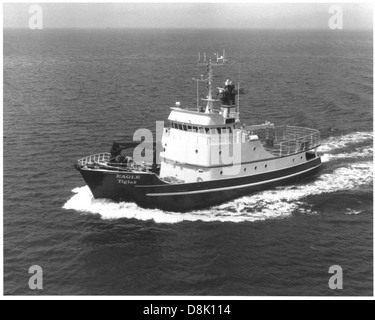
x=71, y=93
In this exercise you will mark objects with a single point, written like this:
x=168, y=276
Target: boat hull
x=148, y=191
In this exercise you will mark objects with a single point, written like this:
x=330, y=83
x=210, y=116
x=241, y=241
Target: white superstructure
x=208, y=143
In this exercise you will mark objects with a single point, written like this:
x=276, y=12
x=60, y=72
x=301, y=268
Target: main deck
x=280, y=141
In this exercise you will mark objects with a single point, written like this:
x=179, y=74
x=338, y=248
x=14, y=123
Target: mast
x=201, y=79
x=238, y=94
x=209, y=99
x=220, y=61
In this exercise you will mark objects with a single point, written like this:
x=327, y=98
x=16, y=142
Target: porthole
x=254, y=148
x=266, y=166
x=256, y=168
x=293, y=159
x=245, y=169
x=196, y=151
x=221, y=172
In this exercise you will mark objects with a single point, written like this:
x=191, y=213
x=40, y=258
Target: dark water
x=68, y=94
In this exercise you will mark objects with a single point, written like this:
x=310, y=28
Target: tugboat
x=205, y=157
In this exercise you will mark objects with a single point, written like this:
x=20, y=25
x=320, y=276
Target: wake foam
x=351, y=139
x=278, y=203
x=245, y=209
x=272, y=204
x=358, y=153
x=350, y=211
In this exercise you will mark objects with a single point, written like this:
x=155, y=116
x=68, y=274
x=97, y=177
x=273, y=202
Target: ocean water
x=71, y=93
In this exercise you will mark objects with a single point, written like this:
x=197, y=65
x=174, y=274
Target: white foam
x=358, y=153
x=350, y=211
x=271, y=204
x=339, y=142
x=331, y=147
x=232, y=212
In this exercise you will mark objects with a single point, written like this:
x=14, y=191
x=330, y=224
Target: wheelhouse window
x=190, y=128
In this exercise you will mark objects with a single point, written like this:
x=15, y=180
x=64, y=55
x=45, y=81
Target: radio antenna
x=209, y=64
x=239, y=88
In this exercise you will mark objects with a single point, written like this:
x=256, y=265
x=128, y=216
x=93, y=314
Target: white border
x=158, y=298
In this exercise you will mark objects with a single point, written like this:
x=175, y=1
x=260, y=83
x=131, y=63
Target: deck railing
x=202, y=109
x=100, y=158
x=103, y=160
x=286, y=140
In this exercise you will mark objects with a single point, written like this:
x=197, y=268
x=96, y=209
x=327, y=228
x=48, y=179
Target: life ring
x=199, y=179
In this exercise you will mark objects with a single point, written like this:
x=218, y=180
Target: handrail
x=103, y=159
x=288, y=140
x=202, y=110
x=95, y=158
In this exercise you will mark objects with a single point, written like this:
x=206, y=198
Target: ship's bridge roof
x=199, y=118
